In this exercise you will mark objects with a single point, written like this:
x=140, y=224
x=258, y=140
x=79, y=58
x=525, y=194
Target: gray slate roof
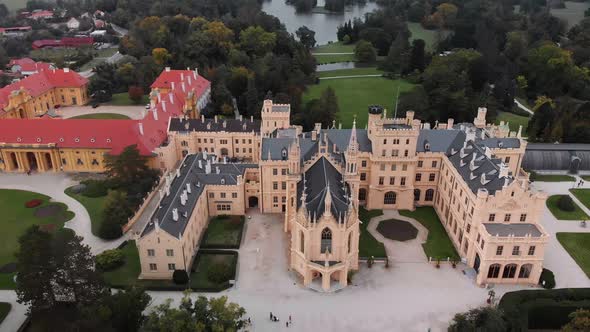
x=341, y=137
x=512, y=229
x=483, y=165
x=197, y=178
x=318, y=178
x=440, y=140
x=500, y=143
x=228, y=125
x=281, y=108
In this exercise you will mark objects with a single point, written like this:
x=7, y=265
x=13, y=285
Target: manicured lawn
x=551, y=177
x=16, y=218
x=578, y=246
x=102, y=116
x=351, y=72
x=122, y=99
x=368, y=246
x=224, y=232
x=7, y=281
x=94, y=206
x=4, y=310
x=583, y=195
x=514, y=121
x=356, y=94
x=560, y=214
x=331, y=58
x=126, y=275
x=586, y=177
x=438, y=245
x=429, y=36
x=337, y=47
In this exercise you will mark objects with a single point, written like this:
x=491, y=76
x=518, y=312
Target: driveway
x=133, y=112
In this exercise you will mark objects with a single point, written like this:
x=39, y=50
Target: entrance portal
x=252, y=201
x=48, y=161
x=476, y=263
x=32, y=161
x=14, y=160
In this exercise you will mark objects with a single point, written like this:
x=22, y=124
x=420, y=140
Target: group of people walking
x=274, y=318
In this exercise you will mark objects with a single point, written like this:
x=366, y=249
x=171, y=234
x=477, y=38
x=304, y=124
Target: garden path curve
x=401, y=251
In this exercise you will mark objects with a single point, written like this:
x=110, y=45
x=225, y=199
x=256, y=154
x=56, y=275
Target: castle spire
x=353, y=144
x=327, y=200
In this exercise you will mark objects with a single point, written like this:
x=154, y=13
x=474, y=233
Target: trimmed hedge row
x=542, y=309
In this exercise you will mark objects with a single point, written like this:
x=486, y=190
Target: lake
x=324, y=25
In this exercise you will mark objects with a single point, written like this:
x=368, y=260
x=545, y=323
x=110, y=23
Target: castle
x=470, y=173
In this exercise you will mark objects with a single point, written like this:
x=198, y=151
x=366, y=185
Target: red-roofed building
x=40, y=15
x=188, y=85
x=35, y=95
x=15, y=31
x=47, y=144
x=64, y=42
x=28, y=66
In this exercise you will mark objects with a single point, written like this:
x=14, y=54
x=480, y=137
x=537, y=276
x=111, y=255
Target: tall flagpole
x=396, y=102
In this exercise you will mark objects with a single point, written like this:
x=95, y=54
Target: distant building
x=64, y=42
x=40, y=15
x=28, y=66
x=99, y=24
x=15, y=31
x=73, y=24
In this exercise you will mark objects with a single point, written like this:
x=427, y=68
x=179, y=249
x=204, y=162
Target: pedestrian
x=289, y=318
x=271, y=315
x=287, y=324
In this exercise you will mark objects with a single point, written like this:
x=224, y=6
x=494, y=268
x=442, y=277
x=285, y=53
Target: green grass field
x=4, y=310
x=102, y=116
x=351, y=72
x=429, y=36
x=337, y=47
x=223, y=231
x=356, y=94
x=16, y=218
x=94, y=206
x=438, y=245
x=560, y=214
x=578, y=246
x=368, y=245
x=122, y=99
x=331, y=58
x=583, y=195
x=514, y=121
x=127, y=273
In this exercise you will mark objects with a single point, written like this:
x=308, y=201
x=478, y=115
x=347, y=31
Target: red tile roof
x=39, y=83
x=29, y=65
x=41, y=14
x=192, y=82
x=64, y=42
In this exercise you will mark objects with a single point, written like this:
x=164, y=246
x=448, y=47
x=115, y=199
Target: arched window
x=389, y=198
x=362, y=194
x=326, y=244
x=494, y=271
x=416, y=194
x=429, y=196
x=525, y=271
x=302, y=242
x=184, y=143
x=184, y=153
x=509, y=271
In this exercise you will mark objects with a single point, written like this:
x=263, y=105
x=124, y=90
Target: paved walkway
x=17, y=315
x=522, y=107
x=133, y=112
x=401, y=251
x=349, y=76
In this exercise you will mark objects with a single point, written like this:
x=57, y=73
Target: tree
x=161, y=55
x=306, y=37
x=418, y=55
x=127, y=167
x=257, y=41
x=365, y=52
x=35, y=270
x=579, y=321
x=127, y=308
x=135, y=94
x=417, y=100
x=214, y=314
x=3, y=11
x=329, y=105
x=447, y=13
x=116, y=213
x=398, y=56
x=180, y=277
x=489, y=319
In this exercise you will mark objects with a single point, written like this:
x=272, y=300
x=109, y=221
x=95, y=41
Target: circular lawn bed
x=397, y=230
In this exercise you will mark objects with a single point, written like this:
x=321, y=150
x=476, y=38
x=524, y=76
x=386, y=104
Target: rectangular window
x=418, y=177
x=383, y=153
x=523, y=217
x=211, y=195
x=222, y=195
x=382, y=167
x=385, y=141
x=275, y=199
x=169, y=252
x=478, y=237
x=275, y=171
x=507, y=160
x=434, y=163
x=531, y=250
x=381, y=180
x=394, y=153
x=499, y=250
x=468, y=229
x=275, y=185
x=492, y=217
x=420, y=163
x=153, y=267
x=431, y=177
x=234, y=195
x=483, y=242
x=151, y=252
x=283, y=171
x=284, y=185
x=403, y=181
x=364, y=163
x=363, y=176
x=507, y=217
x=405, y=153
x=393, y=167
x=392, y=180
x=171, y=267
x=404, y=167
x=515, y=250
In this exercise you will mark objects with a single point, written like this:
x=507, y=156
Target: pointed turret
x=328, y=200
x=353, y=144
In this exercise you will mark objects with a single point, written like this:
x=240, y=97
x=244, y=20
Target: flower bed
x=33, y=203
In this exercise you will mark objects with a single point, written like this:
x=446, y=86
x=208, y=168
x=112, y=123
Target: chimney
x=175, y=214
x=182, y=199
x=202, y=118
x=251, y=118
x=224, y=123
x=140, y=128
x=167, y=69
x=178, y=172
x=314, y=135
x=182, y=76
x=217, y=170
x=183, y=87
x=504, y=171
x=200, y=164
x=450, y=123
x=172, y=85
x=164, y=105
x=66, y=70
x=208, y=167
x=196, y=72
x=216, y=119
x=155, y=110
x=188, y=188
x=170, y=98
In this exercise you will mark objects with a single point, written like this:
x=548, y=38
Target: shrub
x=547, y=279
x=219, y=273
x=95, y=188
x=110, y=259
x=565, y=203
x=33, y=203
x=180, y=277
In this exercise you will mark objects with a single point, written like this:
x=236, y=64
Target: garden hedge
x=542, y=309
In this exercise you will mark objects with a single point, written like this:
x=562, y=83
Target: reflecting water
x=324, y=25
x=338, y=65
